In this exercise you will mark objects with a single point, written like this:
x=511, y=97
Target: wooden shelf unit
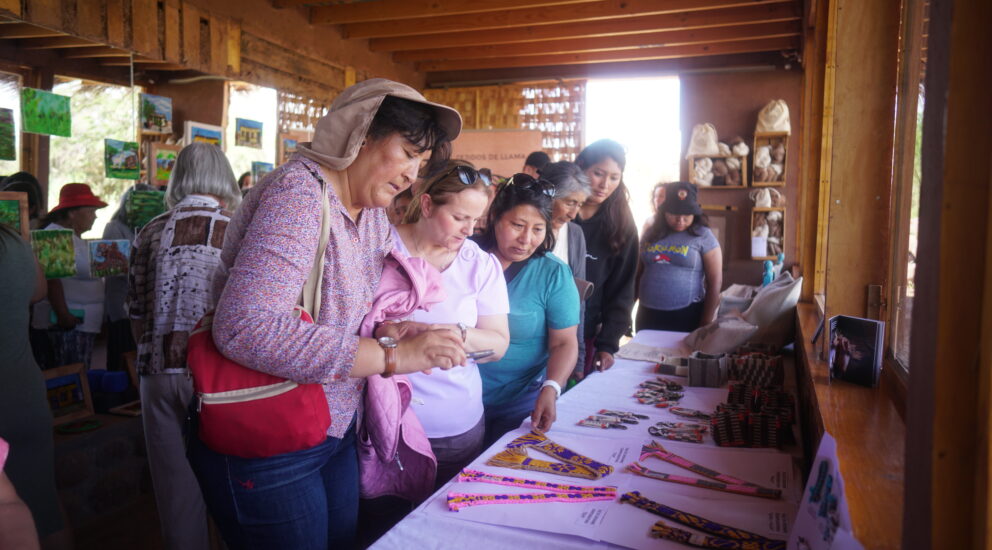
x=765, y=209
x=691, y=159
x=767, y=138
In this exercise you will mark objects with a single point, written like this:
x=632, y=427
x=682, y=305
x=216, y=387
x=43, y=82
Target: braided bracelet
x=661, y=531
x=456, y=501
x=483, y=477
x=691, y=520
x=541, y=443
x=746, y=490
x=656, y=450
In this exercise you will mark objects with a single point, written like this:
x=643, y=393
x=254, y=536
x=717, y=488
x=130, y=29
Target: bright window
x=643, y=115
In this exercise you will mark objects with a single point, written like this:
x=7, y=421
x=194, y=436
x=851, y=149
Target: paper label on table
x=594, y=514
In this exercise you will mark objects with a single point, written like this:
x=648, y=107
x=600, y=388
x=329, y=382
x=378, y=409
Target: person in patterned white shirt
x=169, y=290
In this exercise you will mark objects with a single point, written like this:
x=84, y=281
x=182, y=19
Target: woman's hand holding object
x=432, y=348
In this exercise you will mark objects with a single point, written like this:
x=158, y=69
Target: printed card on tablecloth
x=823, y=521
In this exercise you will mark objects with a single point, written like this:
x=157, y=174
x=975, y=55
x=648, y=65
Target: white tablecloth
x=432, y=526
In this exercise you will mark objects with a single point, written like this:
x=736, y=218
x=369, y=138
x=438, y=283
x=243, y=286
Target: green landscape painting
x=53, y=248
x=10, y=214
x=7, y=135
x=45, y=113
x=121, y=159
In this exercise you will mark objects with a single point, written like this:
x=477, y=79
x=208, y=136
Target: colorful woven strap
x=656, y=450
x=457, y=501
x=690, y=520
x=483, y=477
x=690, y=413
x=541, y=443
x=518, y=460
x=662, y=531
x=747, y=490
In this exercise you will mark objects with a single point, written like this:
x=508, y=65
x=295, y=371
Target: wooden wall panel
x=218, y=46
x=265, y=53
x=90, y=20
x=144, y=26
x=47, y=13
x=191, y=36
x=263, y=75
x=731, y=100
x=234, y=47
x=172, y=48
x=861, y=153
x=12, y=6
x=115, y=22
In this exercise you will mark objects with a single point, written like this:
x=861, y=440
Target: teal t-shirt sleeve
x=709, y=240
x=562, y=309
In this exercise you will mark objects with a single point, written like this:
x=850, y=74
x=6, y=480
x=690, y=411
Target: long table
x=607, y=524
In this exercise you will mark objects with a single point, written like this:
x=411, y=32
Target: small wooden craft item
x=554, y=492
x=699, y=523
x=720, y=481
x=573, y=464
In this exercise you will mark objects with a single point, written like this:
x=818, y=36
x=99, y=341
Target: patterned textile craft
x=690, y=413
x=541, y=443
x=661, y=531
x=746, y=490
x=696, y=522
x=457, y=501
x=518, y=460
x=726, y=482
x=483, y=477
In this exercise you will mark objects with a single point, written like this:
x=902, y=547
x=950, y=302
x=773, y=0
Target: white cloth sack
x=772, y=311
x=774, y=117
x=762, y=198
x=724, y=335
x=703, y=142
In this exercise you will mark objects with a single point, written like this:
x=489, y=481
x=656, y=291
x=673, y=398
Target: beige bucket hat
x=340, y=132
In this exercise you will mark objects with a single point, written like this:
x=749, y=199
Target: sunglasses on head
x=523, y=181
x=468, y=175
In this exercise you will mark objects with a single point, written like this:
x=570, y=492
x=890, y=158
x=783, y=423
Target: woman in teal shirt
x=544, y=310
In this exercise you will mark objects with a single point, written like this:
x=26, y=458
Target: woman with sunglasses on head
x=611, y=251
x=544, y=309
x=438, y=225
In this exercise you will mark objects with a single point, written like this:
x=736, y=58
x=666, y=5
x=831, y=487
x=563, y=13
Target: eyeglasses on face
x=523, y=181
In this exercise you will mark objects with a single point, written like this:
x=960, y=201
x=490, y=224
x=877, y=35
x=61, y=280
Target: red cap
x=77, y=194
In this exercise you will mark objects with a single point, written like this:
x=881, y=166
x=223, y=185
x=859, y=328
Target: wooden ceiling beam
x=605, y=43
x=388, y=10
x=652, y=67
x=137, y=61
x=613, y=27
x=95, y=52
x=661, y=52
x=24, y=30
x=603, y=10
x=281, y=4
x=54, y=42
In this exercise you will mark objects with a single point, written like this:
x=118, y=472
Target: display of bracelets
x=688, y=432
x=751, y=424
x=659, y=392
x=603, y=421
x=690, y=413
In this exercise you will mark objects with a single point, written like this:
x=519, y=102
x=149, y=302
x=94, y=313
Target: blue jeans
x=302, y=500
x=506, y=417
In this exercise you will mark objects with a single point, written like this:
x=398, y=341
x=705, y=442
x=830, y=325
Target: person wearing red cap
x=73, y=312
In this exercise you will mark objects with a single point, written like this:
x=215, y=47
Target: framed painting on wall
x=206, y=133
x=161, y=160
x=287, y=144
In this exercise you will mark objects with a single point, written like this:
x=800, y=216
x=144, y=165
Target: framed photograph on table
x=206, y=133
x=68, y=392
x=14, y=212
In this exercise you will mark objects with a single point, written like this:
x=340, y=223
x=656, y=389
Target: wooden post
x=35, y=147
x=948, y=417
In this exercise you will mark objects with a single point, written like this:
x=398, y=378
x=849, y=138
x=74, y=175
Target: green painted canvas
x=45, y=113
x=53, y=248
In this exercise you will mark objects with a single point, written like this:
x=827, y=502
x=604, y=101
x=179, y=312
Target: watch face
x=387, y=342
